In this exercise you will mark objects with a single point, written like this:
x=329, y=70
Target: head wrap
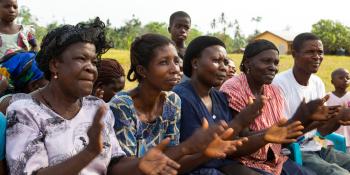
x=21, y=68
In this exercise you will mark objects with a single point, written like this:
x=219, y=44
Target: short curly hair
x=59, y=39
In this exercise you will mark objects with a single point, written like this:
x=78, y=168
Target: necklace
x=46, y=101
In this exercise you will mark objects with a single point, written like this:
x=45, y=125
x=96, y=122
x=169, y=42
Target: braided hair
x=108, y=70
x=56, y=41
x=142, y=50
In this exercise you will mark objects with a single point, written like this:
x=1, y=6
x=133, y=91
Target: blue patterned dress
x=136, y=137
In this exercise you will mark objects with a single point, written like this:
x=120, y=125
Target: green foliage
x=156, y=27
x=194, y=33
x=334, y=35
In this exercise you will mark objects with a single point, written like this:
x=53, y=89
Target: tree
x=126, y=34
x=156, y=27
x=194, y=33
x=257, y=20
x=334, y=35
x=239, y=40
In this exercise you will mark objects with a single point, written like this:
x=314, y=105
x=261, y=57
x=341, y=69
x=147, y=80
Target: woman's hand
x=253, y=109
x=95, y=145
x=282, y=132
x=155, y=162
x=214, y=141
x=223, y=145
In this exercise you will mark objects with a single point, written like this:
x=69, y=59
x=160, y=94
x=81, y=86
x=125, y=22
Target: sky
x=277, y=15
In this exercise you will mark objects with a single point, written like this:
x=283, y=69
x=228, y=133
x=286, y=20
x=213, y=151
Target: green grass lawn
x=329, y=64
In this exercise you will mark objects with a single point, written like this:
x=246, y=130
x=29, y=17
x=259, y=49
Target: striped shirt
x=238, y=92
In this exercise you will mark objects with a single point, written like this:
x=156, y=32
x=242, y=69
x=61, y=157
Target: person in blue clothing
x=205, y=62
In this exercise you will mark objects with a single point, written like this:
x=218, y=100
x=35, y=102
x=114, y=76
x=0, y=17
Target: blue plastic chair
x=2, y=135
x=337, y=139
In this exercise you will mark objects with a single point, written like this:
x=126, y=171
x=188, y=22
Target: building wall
x=281, y=44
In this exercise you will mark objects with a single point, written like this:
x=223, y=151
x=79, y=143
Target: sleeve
x=172, y=130
x=117, y=151
x=25, y=149
x=124, y=126
x=2, y=136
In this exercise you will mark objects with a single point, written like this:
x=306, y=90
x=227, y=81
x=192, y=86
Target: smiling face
x=76, y=69
x=263, y=66
x=211, y=66
x=309, y=57
x=8, y=10
x=163, y=70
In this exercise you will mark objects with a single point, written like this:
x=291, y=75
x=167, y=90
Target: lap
x=316, y=163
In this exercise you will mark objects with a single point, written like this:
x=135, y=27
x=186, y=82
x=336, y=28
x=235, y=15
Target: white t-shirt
x=294, y=93
x=37, y=137
x=344, y=100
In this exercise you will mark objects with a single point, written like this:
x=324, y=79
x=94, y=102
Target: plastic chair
x=337, y=139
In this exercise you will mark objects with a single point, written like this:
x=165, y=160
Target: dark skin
x=3, y=167
x=162, y=74
x=341, y=81
x=231, y=68
x=107, y=91
x=76, y=67
x=314, y=114
x=8, y=14
x=262, y=69
x=307, y=60
x=179, y=30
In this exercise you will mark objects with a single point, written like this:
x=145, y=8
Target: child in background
x=179, y=27
x=340, y=96
x=110, y=79
x=13, y=36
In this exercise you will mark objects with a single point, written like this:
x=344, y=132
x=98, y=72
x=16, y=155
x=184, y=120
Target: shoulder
x=173, y=98
x=282, y=78
x=92, y=101
x=121, y=99
x=182, y=88
x=24, y=109
x=235, y=85
x=122, y=106
x=185, y=92
x=316, y=80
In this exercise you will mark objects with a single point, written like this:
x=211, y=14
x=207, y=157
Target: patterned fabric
x=19, y=41
x=37, y=137
x=22, y=69
x=135, y=136
x=238, y=93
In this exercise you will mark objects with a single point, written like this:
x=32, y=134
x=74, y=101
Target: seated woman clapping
x=150, y=112
x=60, y=129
